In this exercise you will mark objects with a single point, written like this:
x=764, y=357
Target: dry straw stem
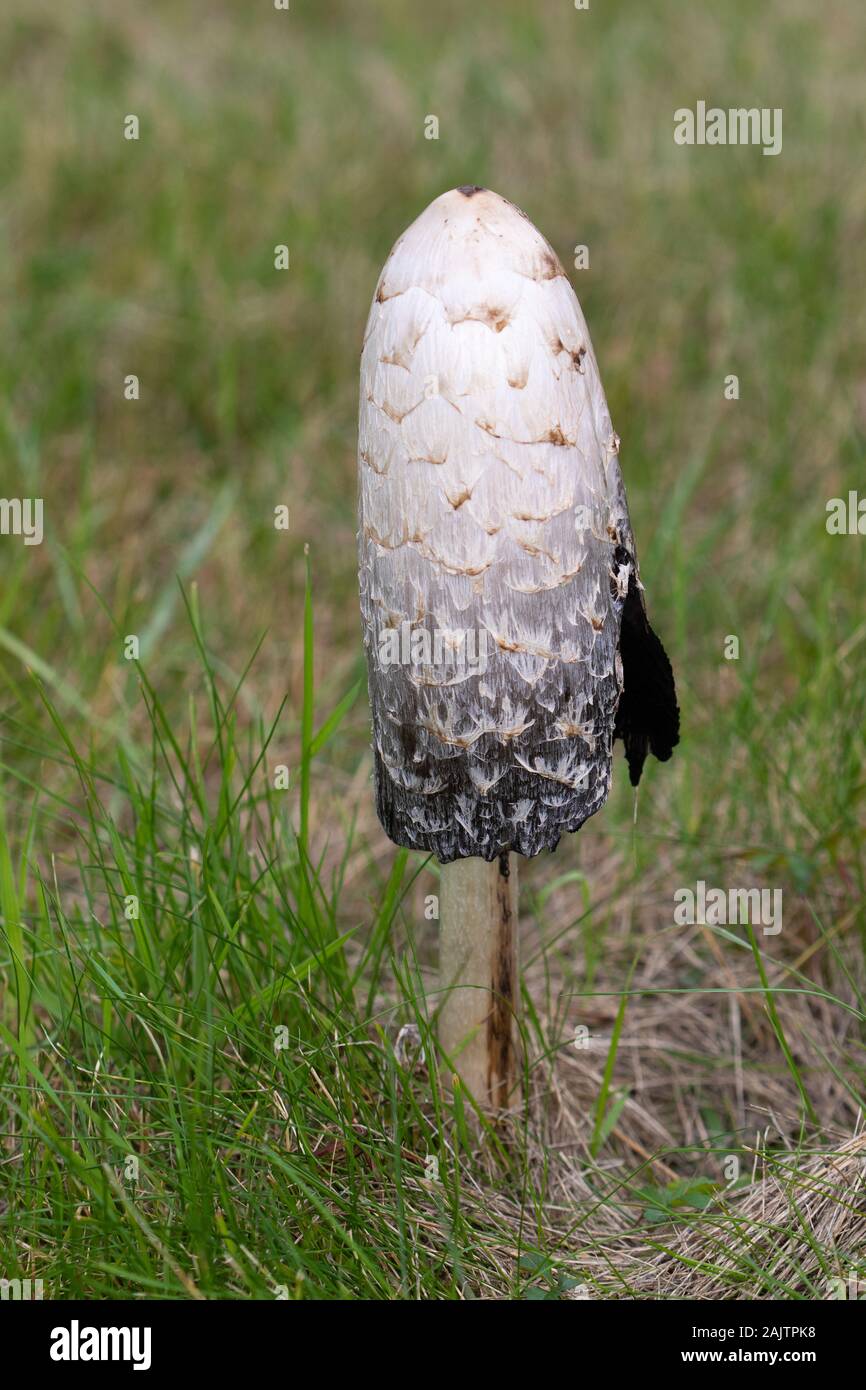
x=798, y=1211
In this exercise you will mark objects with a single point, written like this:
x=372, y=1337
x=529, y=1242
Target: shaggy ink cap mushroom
x=505, y=628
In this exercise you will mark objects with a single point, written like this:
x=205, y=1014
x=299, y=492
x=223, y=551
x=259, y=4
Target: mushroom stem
x=479, y=977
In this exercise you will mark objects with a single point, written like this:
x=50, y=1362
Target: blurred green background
x=306, y=128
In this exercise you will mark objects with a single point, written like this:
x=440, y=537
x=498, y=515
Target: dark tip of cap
x=467, y=189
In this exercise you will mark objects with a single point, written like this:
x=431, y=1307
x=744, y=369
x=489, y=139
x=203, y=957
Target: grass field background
x=207, y=1099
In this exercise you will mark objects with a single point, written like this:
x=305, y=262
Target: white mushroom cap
x=492, y=518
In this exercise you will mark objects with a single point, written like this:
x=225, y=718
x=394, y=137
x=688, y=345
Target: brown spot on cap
x=556, y=436
x=496, y=318
x=550, y=265
x=459, y=498
x=469, y=189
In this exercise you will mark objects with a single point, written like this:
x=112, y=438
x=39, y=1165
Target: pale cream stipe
x=479, y=978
